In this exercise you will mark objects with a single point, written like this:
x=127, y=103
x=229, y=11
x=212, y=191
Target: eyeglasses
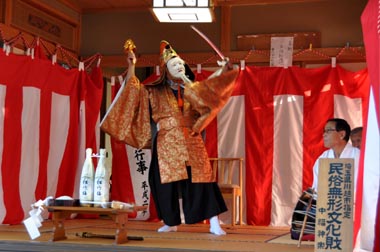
x=328, y=130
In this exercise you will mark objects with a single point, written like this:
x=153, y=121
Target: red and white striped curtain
x=275, y=121
x=49, y=115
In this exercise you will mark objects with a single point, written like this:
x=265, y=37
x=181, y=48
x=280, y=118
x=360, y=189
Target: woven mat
x=285, y=239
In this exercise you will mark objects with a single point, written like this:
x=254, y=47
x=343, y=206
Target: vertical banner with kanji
x=334, y=223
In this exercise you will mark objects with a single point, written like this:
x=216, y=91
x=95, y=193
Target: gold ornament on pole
x=129, y=45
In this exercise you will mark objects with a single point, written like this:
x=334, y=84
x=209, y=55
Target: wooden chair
x=229, y=175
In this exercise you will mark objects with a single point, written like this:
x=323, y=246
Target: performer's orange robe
x=179, y=142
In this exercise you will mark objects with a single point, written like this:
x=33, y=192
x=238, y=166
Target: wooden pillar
x=8, y=12
x=225, y=26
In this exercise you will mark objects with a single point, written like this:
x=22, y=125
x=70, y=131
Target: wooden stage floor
x=187, y=238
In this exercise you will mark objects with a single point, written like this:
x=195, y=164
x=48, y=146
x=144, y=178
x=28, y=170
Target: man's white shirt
x=348, y=152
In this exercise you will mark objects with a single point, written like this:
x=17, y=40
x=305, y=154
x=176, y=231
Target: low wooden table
x=119, y=216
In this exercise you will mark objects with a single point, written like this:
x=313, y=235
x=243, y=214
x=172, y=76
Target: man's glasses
x=328, y=130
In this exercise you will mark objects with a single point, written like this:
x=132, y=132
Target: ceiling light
x=183, y=11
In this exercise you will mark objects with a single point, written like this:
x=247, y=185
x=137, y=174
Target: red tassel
x=180, y=100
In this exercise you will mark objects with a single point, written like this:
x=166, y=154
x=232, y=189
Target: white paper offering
x=32, y=228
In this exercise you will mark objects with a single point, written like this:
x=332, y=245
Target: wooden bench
x=119, y=216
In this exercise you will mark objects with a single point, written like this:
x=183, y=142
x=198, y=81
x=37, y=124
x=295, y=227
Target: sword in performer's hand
x=213, y=46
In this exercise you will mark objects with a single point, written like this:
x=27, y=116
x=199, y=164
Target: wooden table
x=119, y=216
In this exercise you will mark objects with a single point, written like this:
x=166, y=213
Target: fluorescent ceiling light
x=183, y=11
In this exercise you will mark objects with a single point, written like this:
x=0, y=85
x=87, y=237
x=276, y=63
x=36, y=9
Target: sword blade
x=216, y=49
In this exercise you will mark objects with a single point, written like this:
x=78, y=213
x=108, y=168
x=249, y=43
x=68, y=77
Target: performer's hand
x=185, y=79
x=223, y=62
x=225, y=65
x=131, y=58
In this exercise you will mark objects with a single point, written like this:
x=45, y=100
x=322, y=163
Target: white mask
x=176, y=67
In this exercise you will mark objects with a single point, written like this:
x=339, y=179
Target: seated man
x=356, y=137
x=336, y=136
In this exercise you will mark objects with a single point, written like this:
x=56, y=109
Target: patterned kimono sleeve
x=128, y=118
x=209, y=96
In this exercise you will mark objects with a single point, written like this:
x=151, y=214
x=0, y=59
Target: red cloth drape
x=370, y=20
x=40, y=139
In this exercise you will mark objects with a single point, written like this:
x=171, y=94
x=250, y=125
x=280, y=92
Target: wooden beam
x=259, y=2
x=256, y=57
x=70, y=14
x=10, y=32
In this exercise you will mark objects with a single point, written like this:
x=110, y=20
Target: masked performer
x=169, y=115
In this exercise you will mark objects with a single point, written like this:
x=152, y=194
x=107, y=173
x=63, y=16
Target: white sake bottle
x=102, y=181
x=86, y=191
